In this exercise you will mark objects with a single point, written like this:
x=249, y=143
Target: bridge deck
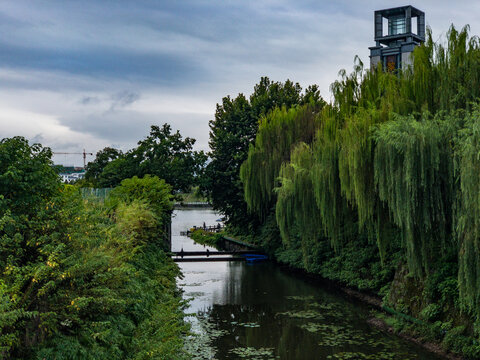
x=215, y=253
x=201, y=259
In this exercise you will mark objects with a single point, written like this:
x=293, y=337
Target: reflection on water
x=183, y=220
x=259, y=311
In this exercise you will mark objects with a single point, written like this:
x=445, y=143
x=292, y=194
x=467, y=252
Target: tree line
x=378, y=190
x=162, y=153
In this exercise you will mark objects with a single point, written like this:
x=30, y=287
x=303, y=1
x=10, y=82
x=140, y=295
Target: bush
x=203, y=237
x=79, y=282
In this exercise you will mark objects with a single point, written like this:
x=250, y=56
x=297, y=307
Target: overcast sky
x=95, y=73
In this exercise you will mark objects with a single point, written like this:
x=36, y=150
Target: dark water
x=260, y=311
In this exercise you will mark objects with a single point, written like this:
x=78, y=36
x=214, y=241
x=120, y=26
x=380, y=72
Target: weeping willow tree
x=443, y=76
x=352, y=138
x=377, y=95
x=382, y=161
x=458, y=70
x=413, y=169
x=333, y=209
x=297, y=213
x=309, y=202
x=468, y=224
x=285, y=208
x=367, y=100
x=277, y=134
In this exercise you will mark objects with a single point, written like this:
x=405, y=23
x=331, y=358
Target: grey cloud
x=37, y=139
x=123, y=99
x=89, y=50
x=89, y=100
x=125, y=128
x=166, y=69
x=120, y=126
x=66, y=146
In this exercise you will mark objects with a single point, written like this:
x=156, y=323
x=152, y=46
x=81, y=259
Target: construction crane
x=82, y=153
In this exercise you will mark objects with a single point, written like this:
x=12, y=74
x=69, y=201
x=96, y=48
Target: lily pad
x=253, y=353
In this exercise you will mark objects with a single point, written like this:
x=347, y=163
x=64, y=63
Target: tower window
x=397, y=25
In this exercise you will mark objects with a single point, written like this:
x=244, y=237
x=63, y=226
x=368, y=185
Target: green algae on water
x=302, y=314
x=254, y=353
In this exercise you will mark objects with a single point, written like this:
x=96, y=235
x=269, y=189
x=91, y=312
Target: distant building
x=71, y=177
x=394, y=49
x=67, y=169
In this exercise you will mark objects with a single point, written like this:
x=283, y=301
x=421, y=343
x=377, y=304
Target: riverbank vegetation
x=204, y=237
x=232, y=130
x=83, y=279
x=195, y=195
x=378, y=190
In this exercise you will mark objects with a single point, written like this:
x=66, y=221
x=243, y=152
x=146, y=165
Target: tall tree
x=233, y=130
x=162, y=153
x=102, y=159
x=168, y=156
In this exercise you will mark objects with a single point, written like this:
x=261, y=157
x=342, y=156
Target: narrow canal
x=260, y=311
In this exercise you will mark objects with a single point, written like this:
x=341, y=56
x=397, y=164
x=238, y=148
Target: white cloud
x=47, y=130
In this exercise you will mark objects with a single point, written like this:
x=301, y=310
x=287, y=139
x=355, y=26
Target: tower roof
x=400, y=25
x=399, y=11
x=394, y=48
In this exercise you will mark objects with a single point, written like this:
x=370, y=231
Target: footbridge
x=236, y=255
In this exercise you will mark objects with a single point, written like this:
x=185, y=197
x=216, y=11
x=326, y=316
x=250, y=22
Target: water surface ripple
x=259, y=311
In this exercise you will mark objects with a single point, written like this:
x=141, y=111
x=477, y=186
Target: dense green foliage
x=95, y=168
x=162, y=153
x=468, y=235
x=232, y=132
x=204, y=237
x=151, y=190
x=78, y=280
x=195, y=195
x=385, y=197
x=278, y=131
x=413, y=167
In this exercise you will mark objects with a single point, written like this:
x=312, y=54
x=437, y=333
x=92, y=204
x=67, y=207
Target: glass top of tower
x=397, y=25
